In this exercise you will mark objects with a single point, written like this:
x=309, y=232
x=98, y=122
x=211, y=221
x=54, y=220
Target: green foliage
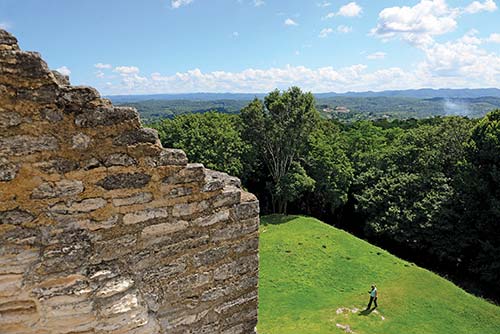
x=212, y=139
x=278, y=130
x=327, y=163
x=312, y=275
x=293, y=184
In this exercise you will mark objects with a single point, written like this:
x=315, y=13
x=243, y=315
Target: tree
x=278, y=129
x=478, y=203
x=327, y=163
x=213, y=139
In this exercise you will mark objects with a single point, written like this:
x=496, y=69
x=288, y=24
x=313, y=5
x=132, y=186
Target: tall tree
x=278, y=129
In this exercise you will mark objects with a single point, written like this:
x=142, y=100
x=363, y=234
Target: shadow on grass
x=366, y=312
x=276, y=219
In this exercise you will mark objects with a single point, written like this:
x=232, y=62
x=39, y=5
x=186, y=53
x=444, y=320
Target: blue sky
x=179, y=46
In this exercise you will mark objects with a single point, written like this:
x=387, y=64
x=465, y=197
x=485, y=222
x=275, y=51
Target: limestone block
x=24, y=144
x=119, y=159
x=63, y=188
x=124, y=180
x=145, y=215
x=139, y=198
x=137, y=136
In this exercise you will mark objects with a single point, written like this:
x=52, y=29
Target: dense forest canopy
x=428, y=189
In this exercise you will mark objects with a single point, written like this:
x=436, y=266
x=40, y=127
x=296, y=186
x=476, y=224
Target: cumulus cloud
x=63, y=70
x=180, y=3
x=477, y=6
x=376, y=56
x=342, y=29
x=417, y=24
x=126, y=70
x=325, y=32
x=428, y=18
x=102, y=66
x=462, y=61
x=290, y=22
x=494, y=38
x=352, y=9
x=324, y=4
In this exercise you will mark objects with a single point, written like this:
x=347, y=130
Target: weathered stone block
x=139, y=198
x=103, y=116
x=119, y=159
x=172, y=157
x=137, y=136
x=63, y=188
x=188, y=209
x=23, y=144
x=145, y=215
x=9, y=119
x=86, y=205
x=81, y=141
x=192, y=173
x=16, y=217
x=8, y=171
x=124, y=180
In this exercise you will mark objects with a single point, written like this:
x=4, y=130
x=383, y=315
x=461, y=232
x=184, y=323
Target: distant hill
x=315, y=279
x=425, y=93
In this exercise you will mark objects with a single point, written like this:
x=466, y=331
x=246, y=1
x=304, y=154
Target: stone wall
x=104, y=231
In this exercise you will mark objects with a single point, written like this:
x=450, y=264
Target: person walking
x=373, y=297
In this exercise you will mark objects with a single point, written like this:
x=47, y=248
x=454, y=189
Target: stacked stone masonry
x=104, y=231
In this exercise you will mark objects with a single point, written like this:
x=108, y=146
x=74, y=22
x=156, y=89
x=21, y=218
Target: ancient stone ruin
x=104, y=231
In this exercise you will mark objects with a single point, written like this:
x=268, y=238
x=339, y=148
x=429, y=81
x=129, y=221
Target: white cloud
x=5, y=25
x=63, y=70
x=352, y=9
x=329, y=16
x=126, y=70
x=102, y=66
x=236, y=34
x=100, y=74
x=325, y=32
x=258, y=3
x=461, y=62
x=180, y=3
x=324, y=4
x=416, y=24
x=290, y=22
x=477, y=6
x=376, y=56
x=494, y=38
x=342, y=29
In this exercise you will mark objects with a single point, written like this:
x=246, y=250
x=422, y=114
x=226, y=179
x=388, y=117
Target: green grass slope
x=315, y=279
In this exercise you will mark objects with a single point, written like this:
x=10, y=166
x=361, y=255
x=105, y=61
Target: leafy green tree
x=278, y=129
x=327, y=163
x=295, y=183
x=213, y=139
x=478, y=203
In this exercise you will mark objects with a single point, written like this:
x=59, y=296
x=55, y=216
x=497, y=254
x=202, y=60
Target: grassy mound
x=315, y=279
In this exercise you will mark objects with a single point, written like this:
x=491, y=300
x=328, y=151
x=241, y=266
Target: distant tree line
x=428, y=190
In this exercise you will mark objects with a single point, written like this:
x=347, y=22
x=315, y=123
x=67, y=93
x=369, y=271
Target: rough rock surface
x=104, y=231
